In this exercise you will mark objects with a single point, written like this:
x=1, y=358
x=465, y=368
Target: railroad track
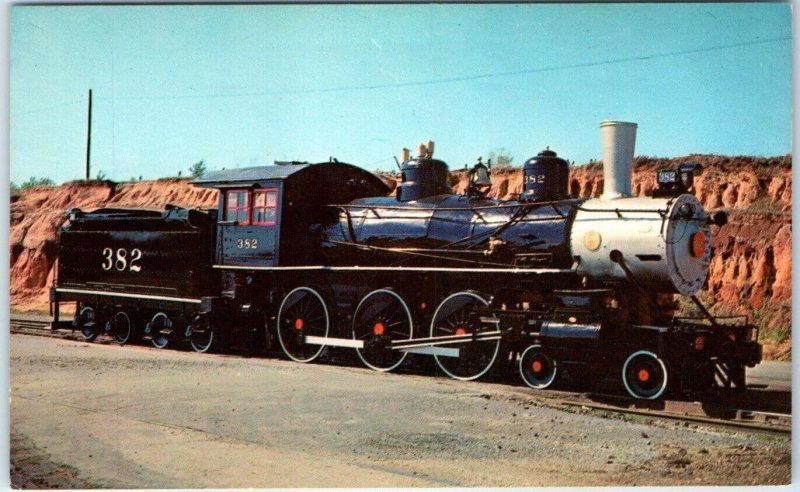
x=777, y=419
x=687, y=412
x=31, y=326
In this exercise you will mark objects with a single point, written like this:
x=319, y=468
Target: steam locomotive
x=310, y=256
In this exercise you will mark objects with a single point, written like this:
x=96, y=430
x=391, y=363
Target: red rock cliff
x=750, y=272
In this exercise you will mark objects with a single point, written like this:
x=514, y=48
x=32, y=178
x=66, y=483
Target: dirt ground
x=88, y=415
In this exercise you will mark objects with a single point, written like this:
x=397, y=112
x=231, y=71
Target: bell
x=479, y=181
x=481, y=176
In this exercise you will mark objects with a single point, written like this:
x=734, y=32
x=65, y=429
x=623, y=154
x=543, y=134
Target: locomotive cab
x=268, y=213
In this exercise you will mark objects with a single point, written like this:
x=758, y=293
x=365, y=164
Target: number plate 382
x=249, y=243
x=121, y=260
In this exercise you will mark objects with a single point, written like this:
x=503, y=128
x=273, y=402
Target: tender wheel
x=121, y=327
x=86, y=318
x=302, y=313
x=537, y=368
x=453, y=317
x=159, y=321
x=644, y=375
x=201, y=336
x=381, y=317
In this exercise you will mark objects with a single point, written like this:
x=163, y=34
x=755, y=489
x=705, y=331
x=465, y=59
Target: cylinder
x=619, y=143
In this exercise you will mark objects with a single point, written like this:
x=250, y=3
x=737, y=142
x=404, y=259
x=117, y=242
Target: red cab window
x=265, y=206
x=237, y=206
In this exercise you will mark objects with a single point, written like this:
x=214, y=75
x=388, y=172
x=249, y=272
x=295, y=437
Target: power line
x=48, y=108
x=413, y=83
x=464, y=78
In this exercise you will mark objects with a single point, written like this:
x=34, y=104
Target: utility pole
x=89, y=138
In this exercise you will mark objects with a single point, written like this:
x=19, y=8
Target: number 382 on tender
x=121, y=260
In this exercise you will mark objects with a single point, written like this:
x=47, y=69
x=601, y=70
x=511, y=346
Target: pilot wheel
x=537, y=368
x=644, y=375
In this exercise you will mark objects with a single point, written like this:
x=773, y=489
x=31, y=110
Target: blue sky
x=246, y=85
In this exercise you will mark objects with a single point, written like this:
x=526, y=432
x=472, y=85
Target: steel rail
x=785, y=428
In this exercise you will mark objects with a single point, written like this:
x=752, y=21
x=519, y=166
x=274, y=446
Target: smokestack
x=619, y=143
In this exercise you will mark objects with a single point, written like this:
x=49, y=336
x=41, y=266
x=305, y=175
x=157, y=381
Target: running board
x=334, y=342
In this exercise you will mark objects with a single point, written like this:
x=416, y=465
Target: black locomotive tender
x=320, y=255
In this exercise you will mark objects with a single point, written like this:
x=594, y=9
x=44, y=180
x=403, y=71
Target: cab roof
x=248, y=174
x=289, y=172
